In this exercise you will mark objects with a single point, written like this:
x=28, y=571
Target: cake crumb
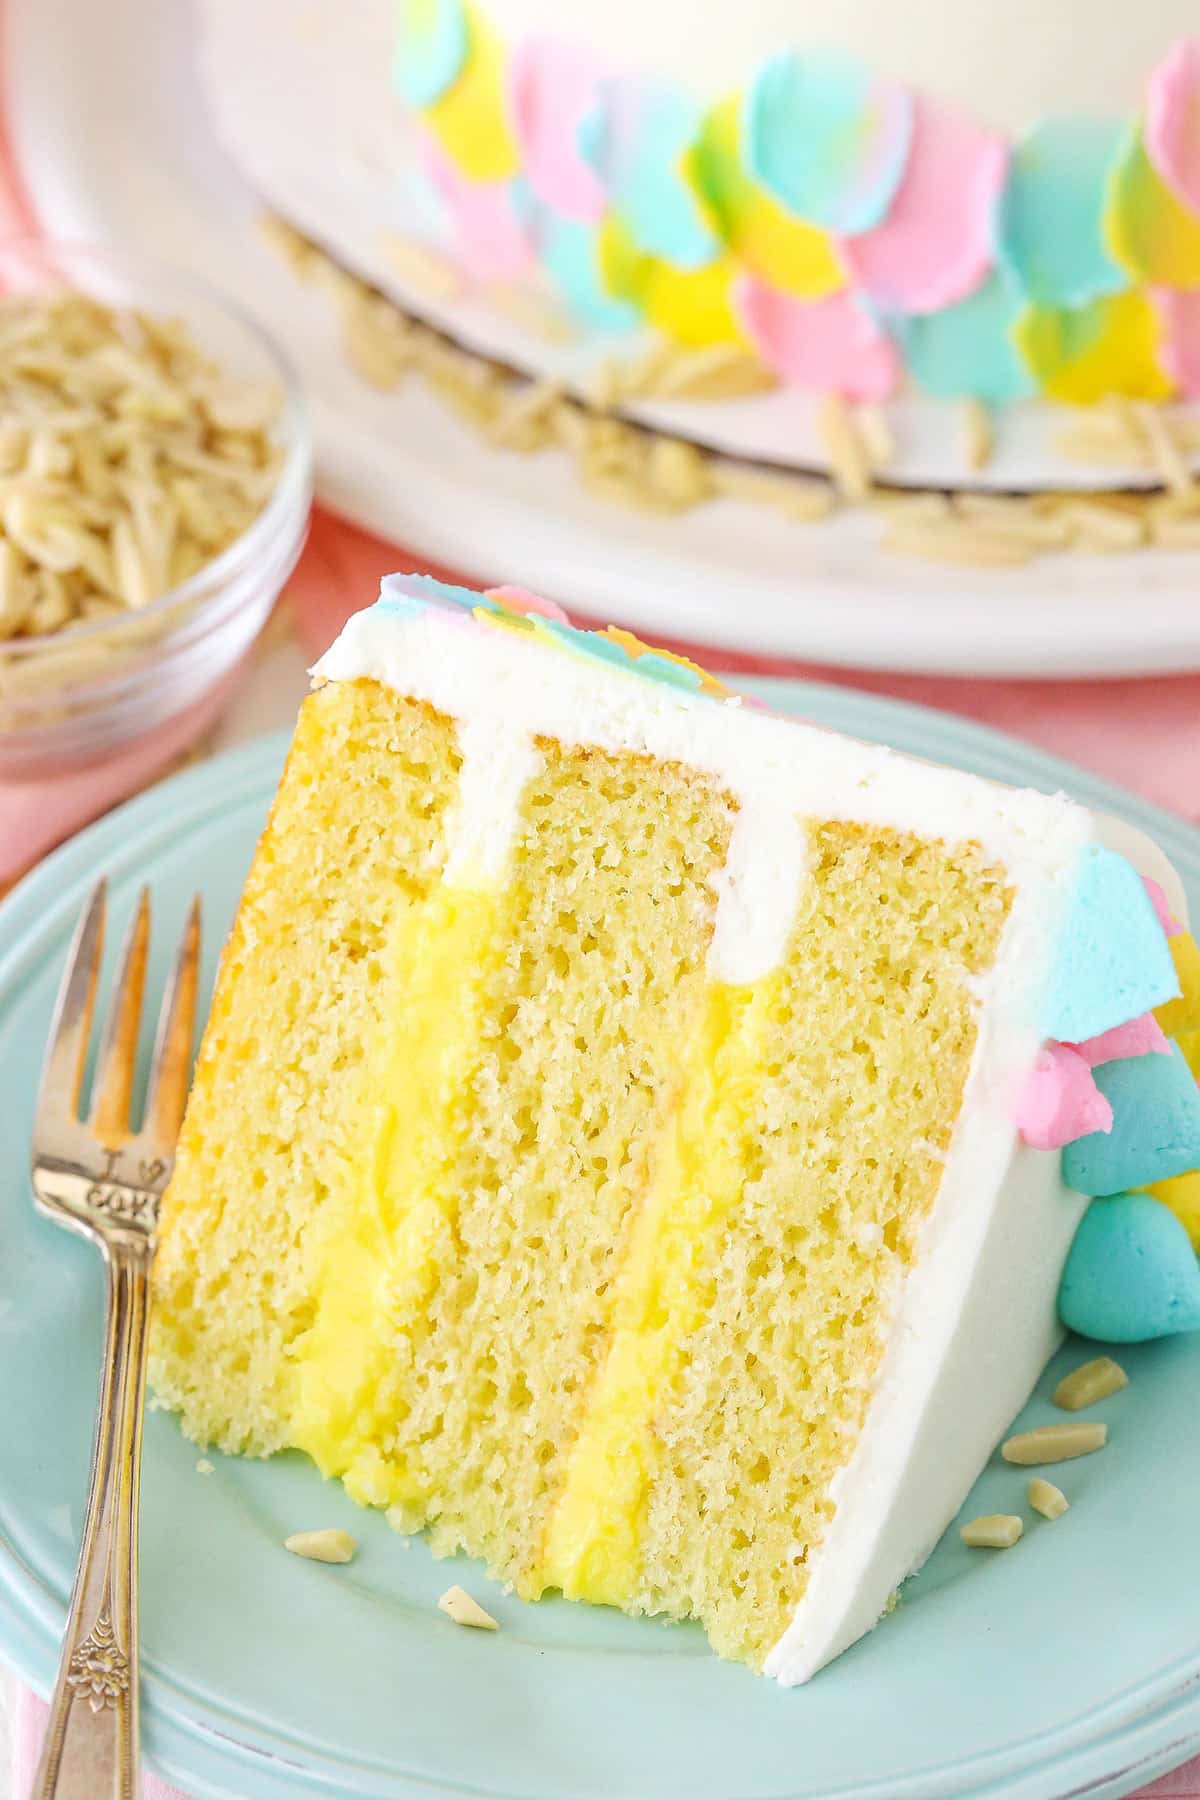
x=1055, y=1443
x=1090, y=1382
x=992, y=1531
x=204, y=1467
x=1047, y=1499
x=458, y=1605
x=331, y=1546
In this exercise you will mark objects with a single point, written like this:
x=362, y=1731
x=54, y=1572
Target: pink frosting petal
x=1179, y=343
x=1162, y=907
x=490, y=241
x=934, y=245
x=1173, y=121
x=1060, y=1100
x=552, y=87
x=821, y=344
x=520, y=600
x=1143, y=1036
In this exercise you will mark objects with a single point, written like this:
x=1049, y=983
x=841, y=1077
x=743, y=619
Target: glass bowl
x=84, y=694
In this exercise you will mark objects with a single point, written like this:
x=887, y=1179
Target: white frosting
x=498, y=764
x=975, y=1321
x=757, y=889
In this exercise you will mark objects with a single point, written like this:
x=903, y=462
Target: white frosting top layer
x=509, y=690
x=975, y=1321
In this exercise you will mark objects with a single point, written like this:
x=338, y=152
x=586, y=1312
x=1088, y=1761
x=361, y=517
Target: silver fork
x=104, y=1181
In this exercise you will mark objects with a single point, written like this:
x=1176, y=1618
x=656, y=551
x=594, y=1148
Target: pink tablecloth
x=1144, y=734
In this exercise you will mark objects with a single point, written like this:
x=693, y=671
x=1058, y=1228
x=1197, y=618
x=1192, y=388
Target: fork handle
x=91, y=1746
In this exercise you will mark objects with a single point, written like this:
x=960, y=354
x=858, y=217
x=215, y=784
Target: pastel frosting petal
x=1173, y=121
x=786, y=252
x=431, y=49
x=1081, y=354
x=637, y=141
x=1150, y=232
x=470, y=118
x=1155, y=1131
x=1181, y=1193
x=1143, y=1036
x=968, y=348
x=412, y=592
x=820, y=344
x=934, y=246
x=1183, y=1013
x=491, y=243
x=828, y=139
x=521, y=600
x=1162, y=906
x=693, y=306
x=570, y=255
x=1179, y=346
x=1050, y=220
x=553, y=85
x=1131, y=1273
x=1059, y=1100
x=1113, y=961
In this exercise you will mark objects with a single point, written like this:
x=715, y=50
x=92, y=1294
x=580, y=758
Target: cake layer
x=270, y=1130
x=636, y=1202
x=597, y=1284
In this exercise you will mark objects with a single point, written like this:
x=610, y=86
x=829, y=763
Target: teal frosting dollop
x=968, y=348
x=827, y=139
x=569, y=253
x=1131, y=1273
x=1051, y=219
x=1113, y=962
x=636, y=140
x=1155, y=1131
x=431, y=49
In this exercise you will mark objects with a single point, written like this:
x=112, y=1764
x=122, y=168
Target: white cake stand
x=109, y=127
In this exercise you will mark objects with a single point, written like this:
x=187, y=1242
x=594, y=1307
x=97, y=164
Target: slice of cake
x=605, y=1151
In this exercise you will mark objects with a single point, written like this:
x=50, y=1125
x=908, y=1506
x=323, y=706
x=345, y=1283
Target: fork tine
x=117, y=1059
x=172, y=1063
x=66, y=1050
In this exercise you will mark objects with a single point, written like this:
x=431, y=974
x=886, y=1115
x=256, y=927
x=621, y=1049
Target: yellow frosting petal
x=785, y=252
x=1182, y=1195
x=470, y=120
x=1148, y=229
x=1183, y=1015
x=1079, y=354
x=693, y=306
x=1189, y=1043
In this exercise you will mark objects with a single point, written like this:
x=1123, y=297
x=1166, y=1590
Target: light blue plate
x=1068, y=1665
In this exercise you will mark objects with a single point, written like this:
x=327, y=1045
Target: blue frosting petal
x=1051, y=219
x=1131, y=1273
x=673, y=674
x=587, y=643
x=405, y=593
x=1156, y=1126
x=431, y=49
x=968, y=348
x=568, y=250
x=826, y=140
x=1113, y=962
x=636, y=139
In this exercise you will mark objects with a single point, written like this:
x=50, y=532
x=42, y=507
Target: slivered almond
x=992, y=1531
x=1055, y=1443
x=1089, y=1383
x=458, y=1605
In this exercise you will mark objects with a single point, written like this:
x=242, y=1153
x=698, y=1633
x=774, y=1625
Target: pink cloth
x=1144, y=734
